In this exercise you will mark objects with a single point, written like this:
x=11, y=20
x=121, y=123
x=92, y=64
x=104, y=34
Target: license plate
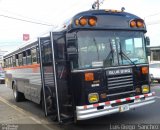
x=137, y=100
x=124, y=108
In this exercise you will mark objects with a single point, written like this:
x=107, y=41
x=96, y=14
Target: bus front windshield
x=110, y=48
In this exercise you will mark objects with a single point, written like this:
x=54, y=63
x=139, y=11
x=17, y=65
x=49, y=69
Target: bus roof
x=22, y=48
x=106, y=19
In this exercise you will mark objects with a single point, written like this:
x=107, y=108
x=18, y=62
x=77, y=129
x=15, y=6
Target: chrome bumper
x=105, y=108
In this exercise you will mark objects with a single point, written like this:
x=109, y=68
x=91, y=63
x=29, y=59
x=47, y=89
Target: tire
x=18, y=96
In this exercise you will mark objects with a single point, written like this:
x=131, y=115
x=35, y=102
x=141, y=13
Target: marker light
x=76, y=22
x=92, y=21
x=140, y=24
x=133, y=24
x=93, y=97
x=89, y=76
x=83, y=21
x=145, y=89
x=144, y=70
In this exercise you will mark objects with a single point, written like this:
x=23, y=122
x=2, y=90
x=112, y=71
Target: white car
x=154, y=70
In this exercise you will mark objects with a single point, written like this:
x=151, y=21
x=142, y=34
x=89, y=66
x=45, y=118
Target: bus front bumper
x=106, y=108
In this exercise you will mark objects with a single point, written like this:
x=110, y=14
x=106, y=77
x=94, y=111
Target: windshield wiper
x=126, y=57
x=94, y=40
x=110, y=53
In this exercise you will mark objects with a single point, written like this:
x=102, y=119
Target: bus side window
x=6, y=63
x=14, y=60
x=48, y=54
x=38, y=55
x=34, y=56
x=60, y=45
x=17, y=64
x=11, y=61
x=20, y=59
x=29, y=57
x=24, y=57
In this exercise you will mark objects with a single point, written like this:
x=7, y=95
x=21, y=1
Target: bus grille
x=120, y=86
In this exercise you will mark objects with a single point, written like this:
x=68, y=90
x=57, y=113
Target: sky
x=52, y=13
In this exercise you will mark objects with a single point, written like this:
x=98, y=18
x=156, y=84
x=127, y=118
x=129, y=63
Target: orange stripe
x=23, y=67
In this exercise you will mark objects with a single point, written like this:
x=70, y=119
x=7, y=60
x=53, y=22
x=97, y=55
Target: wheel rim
x=14, y=92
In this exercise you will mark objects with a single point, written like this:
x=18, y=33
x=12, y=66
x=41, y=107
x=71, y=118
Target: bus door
x=55, y=76
x=48, y=76
x=62, y=77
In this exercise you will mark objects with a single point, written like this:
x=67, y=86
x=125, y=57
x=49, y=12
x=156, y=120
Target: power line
x=24, y=20
x=152, y=15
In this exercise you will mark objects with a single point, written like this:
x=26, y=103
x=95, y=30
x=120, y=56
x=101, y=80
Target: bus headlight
x=145, y=89
x=93, y=97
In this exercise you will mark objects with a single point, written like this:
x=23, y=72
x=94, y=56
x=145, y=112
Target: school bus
x=95, y=65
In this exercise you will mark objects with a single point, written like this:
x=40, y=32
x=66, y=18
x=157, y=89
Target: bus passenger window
x=20, y=59
x=48, y=54
x=14, y=60
x=11, y=62
x=17, y=64
x=38, y=55
x=29, y=57
x=6, y=63
x=24, y=58
x=60, y=48
x=34, y=56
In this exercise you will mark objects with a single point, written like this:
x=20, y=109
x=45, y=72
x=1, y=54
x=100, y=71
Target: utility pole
x=96, y=4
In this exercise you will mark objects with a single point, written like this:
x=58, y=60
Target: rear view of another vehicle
x=154, y=70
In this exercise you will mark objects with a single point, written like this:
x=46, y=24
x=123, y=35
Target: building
x=154, y=54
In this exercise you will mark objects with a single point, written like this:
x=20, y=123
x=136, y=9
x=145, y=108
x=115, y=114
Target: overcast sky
x=53, y=12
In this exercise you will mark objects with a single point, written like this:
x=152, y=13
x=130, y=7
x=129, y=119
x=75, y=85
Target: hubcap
x=14, y=92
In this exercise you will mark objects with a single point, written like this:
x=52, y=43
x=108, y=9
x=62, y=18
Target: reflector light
x=93, y=97
x=92, y=21
x=140, y=24
x=77, y=22
x=133, y=24
x=83, y=21
x=144, y=70
x=89, y=76
x=145, y=89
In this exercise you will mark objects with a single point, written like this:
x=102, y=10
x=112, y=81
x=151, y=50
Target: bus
x=95, y=65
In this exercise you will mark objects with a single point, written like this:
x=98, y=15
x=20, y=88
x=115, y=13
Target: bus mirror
x=147, y=41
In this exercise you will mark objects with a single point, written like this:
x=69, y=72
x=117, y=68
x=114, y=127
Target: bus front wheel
x=17, y=95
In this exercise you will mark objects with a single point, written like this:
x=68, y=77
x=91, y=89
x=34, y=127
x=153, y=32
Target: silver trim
x=86, y=70
x=94, y=112
x=92, y=69
x=42, y=75
x=121, y=86
x=109, y=85
x=55, y=77
x=120, y=77
x=122, y=80
x=120, y=93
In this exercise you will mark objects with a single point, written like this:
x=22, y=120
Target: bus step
x=66, y=119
